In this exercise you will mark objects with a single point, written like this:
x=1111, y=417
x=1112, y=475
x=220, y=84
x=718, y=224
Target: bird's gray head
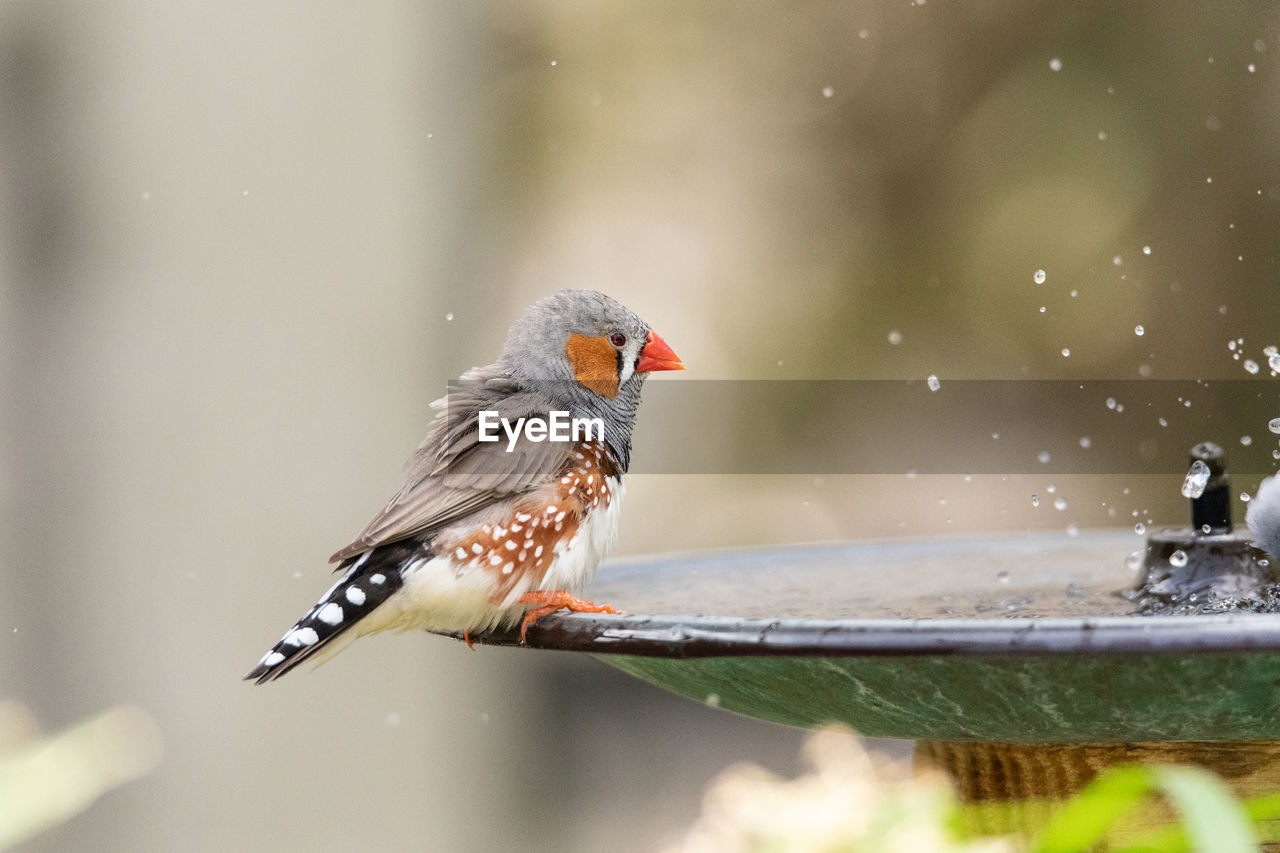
x=588, y=353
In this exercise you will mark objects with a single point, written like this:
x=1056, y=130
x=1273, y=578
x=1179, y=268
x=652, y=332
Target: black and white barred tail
x=368, y=580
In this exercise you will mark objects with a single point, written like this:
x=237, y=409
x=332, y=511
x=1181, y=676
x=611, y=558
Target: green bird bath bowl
x=1021, y=639
x=1021, y=664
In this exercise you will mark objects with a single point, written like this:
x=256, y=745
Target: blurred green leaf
x=1215, y=820
x=1085, y=819
x=1212, y=819
x=50, y=779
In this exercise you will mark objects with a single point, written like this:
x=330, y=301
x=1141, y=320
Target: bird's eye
x=618, y=339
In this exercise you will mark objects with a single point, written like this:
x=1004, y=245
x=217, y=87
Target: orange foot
x=549, y=601
x=466, y=638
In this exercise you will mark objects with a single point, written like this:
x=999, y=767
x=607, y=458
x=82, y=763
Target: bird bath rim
x=712, y=636
x=708, y=633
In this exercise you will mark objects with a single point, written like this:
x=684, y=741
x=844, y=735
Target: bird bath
x=1014, y=660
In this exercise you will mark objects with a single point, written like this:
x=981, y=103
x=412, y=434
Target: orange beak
x=656, y=355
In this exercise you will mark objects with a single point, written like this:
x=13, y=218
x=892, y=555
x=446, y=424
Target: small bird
x=486, y=533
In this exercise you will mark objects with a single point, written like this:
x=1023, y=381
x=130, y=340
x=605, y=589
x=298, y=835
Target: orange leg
x=466, y=638
x=549, y=601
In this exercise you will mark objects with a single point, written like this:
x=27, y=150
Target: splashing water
x=1178, y=558
x=1197, y=479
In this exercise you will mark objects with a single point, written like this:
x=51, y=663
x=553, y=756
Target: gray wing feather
x=453, y=474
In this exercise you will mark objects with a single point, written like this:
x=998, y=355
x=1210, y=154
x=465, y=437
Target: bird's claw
x=552, y=600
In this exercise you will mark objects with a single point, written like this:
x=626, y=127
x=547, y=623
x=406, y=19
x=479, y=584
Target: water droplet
x=1273, y=362
x=828, y=91
x=713, y=700
x=1197, y=479
x=1043, y=457
x=1072, y=530
x=1244, y=497
x=1162, y=422
x=1035, y=499
x=1250, y=365
x=1252, y=68
x=934, y=384
x=1003, y=577
x=1231, y=345
x=1039, y=277
x=1055, y=64
x=1117, y=260
x=1066, y=353
x=1060, y=504
x=1206, y=529
x=1146, y=250
x=448, y=318
x=895, y=337
x=1139, y=331
x=1111, y=402
x=1134, y=560
x=1041, y=309
x=1274, y=425
x=1139, y=528
x=1178, y=558
x=1086, y=442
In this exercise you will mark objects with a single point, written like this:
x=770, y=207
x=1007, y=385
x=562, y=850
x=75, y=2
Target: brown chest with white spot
x=521, y=547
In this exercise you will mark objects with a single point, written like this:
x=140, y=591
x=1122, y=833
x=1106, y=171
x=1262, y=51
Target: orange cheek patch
x=595, y=364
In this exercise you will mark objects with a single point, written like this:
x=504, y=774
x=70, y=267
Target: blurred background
x=244, y=245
